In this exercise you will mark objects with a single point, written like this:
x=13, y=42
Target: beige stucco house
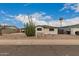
x=75, y=31
x=72, y=29
x=42, y=30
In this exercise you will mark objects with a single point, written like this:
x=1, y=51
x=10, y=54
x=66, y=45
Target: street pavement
x=39, y=50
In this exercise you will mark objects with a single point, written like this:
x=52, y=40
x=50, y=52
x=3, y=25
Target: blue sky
x=44, y=13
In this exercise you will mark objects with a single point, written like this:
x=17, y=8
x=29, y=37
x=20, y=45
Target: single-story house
x=9, y=29
x=72, y=29
x=42, y=30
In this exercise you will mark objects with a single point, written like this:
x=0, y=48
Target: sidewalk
x=39, y=42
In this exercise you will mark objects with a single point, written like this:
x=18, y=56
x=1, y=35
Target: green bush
x=30, y=29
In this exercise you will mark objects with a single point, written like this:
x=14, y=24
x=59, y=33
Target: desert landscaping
x=22, y=39
x=22, y=36
x=47, y=29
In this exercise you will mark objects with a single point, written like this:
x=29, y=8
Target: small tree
x=30, y=28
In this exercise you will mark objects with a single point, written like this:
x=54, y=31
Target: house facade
x=42, y=30
x=9, y=29
x=72, y=30
x=75, y=31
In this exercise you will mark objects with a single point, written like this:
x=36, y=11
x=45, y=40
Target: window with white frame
x=39, y=29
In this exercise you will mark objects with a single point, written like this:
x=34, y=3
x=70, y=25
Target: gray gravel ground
x=22, y=36
x=38, y=50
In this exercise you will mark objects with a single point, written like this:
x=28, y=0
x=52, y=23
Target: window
x=77, y=32
x=39, y=29
x=51, y=29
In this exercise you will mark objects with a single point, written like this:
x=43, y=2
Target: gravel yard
x=24, y=37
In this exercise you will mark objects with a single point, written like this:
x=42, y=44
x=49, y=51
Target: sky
x=42, y=13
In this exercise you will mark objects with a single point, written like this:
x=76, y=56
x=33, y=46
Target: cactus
x=30, y=28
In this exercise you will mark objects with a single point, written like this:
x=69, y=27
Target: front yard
x=22, y=39
x=17, y=36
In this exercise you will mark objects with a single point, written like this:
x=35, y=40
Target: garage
x=74, y=31
x=77, y=32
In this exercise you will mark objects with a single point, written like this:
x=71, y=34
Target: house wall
x=8, y=31
x=46, y=31
x=39, y=33
x=73, y=30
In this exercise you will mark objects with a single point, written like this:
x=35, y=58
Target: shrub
x=30, y=29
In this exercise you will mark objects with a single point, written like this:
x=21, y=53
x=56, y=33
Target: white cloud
x=38, y=18
x=71, y=21
x=41, y=16
x=66, y=6
x=3, y=13
x=22, y=18
x=70, y=6
x=39, y=22
x=66, y=22
x=4, y=24
x=77, y=8
x=27, y=4
x=7, y=19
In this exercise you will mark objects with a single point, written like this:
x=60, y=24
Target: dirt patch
x=22, y=36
